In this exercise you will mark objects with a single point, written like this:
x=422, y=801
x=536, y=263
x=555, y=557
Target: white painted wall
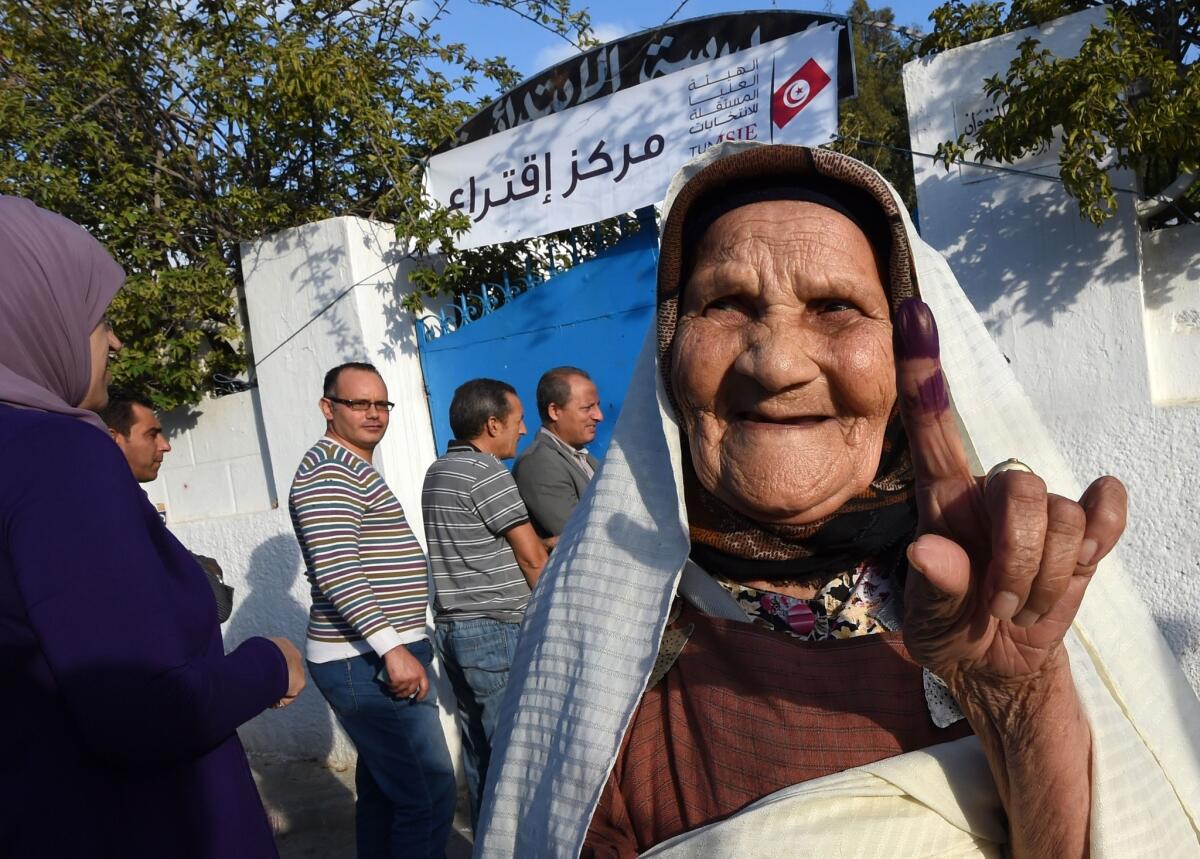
x=1065, y=301
x=380, y=267
x=225, y=483
x=221, y=463
x=289, y=279
x=1171, y=291
x=261, y=559
x=216, y=465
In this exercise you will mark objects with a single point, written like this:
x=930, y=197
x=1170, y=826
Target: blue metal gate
x=593, y=316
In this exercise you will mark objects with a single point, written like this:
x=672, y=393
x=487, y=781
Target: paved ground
x=311, y=808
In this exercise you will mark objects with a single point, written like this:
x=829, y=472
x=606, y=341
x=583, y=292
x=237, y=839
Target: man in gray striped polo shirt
x=484, y=557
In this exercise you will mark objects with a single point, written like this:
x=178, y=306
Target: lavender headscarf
x=56, y=282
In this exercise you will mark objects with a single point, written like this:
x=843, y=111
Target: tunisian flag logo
x=797, y=92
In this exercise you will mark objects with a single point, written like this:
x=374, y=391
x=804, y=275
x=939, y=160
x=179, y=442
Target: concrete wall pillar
x=320, y=295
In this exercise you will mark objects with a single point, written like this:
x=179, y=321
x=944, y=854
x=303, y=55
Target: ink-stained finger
x=933, y=438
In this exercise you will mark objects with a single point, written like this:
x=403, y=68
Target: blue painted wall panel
x=594, y=316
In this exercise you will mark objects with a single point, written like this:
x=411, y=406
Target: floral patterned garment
x=862, y=601
x=845, y=607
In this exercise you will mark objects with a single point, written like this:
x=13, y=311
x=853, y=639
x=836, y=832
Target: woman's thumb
x=939, y=580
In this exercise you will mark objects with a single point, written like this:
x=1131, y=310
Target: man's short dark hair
x=555, y=387
x=476, y=401
x=118, y=414
x=331, y=378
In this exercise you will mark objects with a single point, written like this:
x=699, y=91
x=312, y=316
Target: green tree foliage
x=174, y=129
x=874, y=126
x=1133, y=92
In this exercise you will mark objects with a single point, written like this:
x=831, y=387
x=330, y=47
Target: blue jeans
x=405, y=779
x=477, y=655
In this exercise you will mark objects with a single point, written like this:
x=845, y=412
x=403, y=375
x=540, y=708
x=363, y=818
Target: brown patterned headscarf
x=882, y=517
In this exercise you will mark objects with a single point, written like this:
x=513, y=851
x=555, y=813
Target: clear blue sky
x=491, y=32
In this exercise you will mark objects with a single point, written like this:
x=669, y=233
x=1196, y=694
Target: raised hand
x=997, y=573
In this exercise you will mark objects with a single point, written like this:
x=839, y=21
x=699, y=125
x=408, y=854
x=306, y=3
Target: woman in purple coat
x=118, y=704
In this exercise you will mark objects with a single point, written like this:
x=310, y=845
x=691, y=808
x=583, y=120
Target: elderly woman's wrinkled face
x=782, y=361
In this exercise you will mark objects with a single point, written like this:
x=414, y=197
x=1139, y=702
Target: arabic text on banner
x=618, y=153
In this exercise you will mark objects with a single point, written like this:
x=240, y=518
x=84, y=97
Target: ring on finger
x=999, y=468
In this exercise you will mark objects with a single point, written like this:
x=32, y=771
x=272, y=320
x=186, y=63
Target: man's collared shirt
x=469, y=502
x=578, y=455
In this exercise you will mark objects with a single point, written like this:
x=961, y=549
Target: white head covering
x=593, y=626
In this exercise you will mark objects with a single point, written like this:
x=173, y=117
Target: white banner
x=618, y=153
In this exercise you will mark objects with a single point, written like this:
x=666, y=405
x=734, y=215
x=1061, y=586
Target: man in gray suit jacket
x=554, y=470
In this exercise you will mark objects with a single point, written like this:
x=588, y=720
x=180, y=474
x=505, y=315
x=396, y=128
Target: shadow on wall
x=267, y=607
x=323, y=277
x=1183, y=638
x=179, y=421
x=391, y=285
x=264, y=449
x=318, y=274
x=1023, y=240
x=1180, y=631
x=1160, y=284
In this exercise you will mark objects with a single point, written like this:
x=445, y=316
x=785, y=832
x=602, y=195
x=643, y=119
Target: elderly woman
x=789, y=620
x=120, y=706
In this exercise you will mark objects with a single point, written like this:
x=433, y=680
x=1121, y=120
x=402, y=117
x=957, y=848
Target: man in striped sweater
x=485, y=558
x=366, y=647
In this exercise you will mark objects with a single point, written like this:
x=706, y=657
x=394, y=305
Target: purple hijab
x=56, y=282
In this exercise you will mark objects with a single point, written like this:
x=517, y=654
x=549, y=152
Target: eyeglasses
x=363, y=405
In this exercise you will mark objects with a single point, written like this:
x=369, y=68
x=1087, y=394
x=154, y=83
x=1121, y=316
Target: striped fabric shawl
x=592, y=631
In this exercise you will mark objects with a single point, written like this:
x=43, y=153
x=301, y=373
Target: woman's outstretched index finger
x=937, y=451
